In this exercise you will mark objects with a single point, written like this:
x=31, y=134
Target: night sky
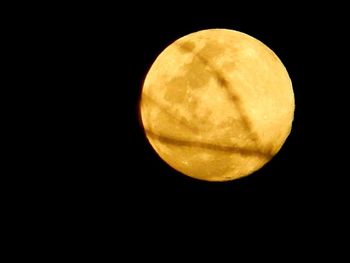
x=123, y=173
x=282, y=178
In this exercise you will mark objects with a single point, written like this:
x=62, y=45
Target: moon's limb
x=217, y=105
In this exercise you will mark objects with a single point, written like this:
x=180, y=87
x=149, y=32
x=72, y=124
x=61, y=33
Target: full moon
x=217, y=105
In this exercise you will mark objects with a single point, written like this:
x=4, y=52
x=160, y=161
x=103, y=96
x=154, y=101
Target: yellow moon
x=217, y=105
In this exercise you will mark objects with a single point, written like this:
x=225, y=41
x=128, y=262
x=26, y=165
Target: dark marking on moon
x=213, y=49
x=187, y=46
x=171, y=113
x=208, y=146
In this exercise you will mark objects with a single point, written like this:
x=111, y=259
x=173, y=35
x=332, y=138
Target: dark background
x=120, y=50
x=96, y=174
x=114, y=172
x=297, y=177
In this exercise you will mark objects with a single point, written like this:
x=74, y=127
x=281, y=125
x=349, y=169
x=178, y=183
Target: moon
x=217, y=105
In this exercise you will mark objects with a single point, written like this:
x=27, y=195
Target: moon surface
x=217, y=105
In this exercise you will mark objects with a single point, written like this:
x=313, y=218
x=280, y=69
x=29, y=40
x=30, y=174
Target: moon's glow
x=217, y=105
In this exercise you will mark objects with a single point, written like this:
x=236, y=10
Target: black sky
x=121, y=170
x=87, y=180
x=288, y=175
